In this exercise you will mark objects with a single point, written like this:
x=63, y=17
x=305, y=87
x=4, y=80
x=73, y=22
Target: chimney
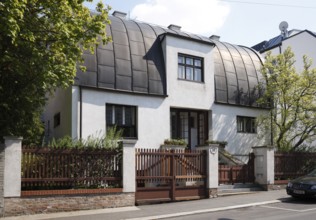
x=215, y=37
x=119, y=14
x=174, y=27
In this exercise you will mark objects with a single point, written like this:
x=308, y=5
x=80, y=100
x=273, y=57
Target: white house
x=302, y=42
x=158, y=83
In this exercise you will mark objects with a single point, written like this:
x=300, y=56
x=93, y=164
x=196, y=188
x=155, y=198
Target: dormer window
x=190, y=68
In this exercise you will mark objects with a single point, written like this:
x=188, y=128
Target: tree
x=41, y=44
x=292, y=97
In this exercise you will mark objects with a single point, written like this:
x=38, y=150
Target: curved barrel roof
x=133, y=62
x=237, y=74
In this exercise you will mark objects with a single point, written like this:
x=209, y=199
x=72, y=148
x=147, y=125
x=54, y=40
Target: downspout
x=271, y=129
x=80, y=112
x=280, y=49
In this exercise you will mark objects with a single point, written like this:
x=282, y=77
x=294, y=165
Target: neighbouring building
x=302, y=42
x=158, y=83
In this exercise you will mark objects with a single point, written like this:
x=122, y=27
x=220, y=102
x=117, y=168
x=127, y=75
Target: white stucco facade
x=152, y=115
x=183, y=93
x=225, y=128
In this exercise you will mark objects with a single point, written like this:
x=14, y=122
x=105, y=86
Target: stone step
x=237, y=186
x=226, y=190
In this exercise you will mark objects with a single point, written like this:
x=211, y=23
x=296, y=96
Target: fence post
x=12, y=166
x=264, y=166
x=212, y=169
x=129, y=176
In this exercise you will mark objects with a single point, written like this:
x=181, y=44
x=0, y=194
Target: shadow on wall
x=225, y=129
x=100, y=98
x=156, y=68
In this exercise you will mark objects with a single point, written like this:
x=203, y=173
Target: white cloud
x=202, y=17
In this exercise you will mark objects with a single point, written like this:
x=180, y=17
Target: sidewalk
x=168, y=210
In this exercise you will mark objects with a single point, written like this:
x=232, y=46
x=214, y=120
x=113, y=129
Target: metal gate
x=228, y=174
x=169, y=175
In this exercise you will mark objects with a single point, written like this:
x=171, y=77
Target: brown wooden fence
x=292, y=165
x=47, y=168
x=164, y=175
x=230, y=174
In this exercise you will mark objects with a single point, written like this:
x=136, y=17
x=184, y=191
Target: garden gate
x=230, y=174
x=169, y=175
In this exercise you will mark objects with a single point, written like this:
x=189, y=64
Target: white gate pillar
x=12, y=166
x=212, y=169
x=129, y=170
x=264, y=166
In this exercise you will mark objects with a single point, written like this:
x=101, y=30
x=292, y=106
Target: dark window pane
x=56, y=119
x=109, y=115
x=119, y=115
x=173, y=125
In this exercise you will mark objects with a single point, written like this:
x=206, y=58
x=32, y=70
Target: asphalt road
x=289, y=209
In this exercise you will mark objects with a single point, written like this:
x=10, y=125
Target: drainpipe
x=80, y=112
x=280, y=49
x=271, y=129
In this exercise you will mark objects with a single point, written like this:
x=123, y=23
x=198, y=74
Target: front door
x=190, y=125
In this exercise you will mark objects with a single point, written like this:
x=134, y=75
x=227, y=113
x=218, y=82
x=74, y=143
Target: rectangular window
x=246, y=124
x=123, y=117
x=190, y=68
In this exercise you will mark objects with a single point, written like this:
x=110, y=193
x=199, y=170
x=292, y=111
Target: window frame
x=192, y=66
x=179, y=129
x=246, y=122
x=112, y=123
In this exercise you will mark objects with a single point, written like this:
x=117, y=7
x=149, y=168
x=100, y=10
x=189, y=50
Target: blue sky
x=243, y=22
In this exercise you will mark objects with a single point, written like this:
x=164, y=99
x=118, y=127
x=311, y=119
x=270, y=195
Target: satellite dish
x=283, y=26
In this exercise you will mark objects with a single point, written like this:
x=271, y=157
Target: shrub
x=109, y=141
x=175, y=142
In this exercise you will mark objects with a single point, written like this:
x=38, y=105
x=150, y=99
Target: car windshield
x=313, y=173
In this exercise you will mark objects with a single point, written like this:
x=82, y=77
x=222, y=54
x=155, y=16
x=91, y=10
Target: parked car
x=304, y=186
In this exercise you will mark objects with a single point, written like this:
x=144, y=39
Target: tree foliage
x=292, y=95
x=41, y=43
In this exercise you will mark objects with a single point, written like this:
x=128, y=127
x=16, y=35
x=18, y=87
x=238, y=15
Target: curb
x=204, y=211
x=72, y=214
